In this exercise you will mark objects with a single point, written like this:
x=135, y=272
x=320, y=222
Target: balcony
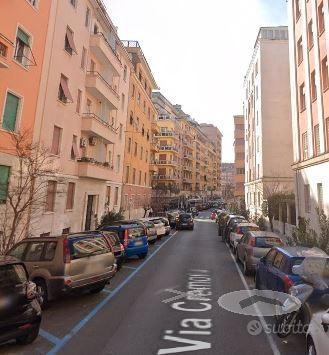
x=155, y=128
x=101, y=89
x=165, y=162
x=168, y=148
x=90, y=168
x=154, y=146
x=165, y=177
x=94, y=125
x=188, y=156
x=166, y=134
x=187, y=180
x=102, y=49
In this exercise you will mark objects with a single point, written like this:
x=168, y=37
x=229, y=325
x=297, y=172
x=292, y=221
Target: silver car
x=159, y=226
x=253, y=246
x=152, y=235
x=239, y=230
x=68, y=262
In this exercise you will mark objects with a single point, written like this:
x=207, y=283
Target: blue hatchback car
x=133, y=237
x=274, y=271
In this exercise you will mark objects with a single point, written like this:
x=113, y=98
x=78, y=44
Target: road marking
x=269, y=337
x=52, y=338
x=90, y=315
x=106, y=290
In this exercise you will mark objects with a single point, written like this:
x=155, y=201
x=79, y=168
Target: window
x=122, y=101
x=87, y=17
x=3, y=50
x=297, y=9
x=34, y=3
x=116, y=196
x=320, y=196
x=258, y=172
x=69, y=42
x=136, y=148
x=95, y=29
x=302, y=101
x=9, y=120
x=4, y=181
x=259, y=199
x=142, y=151
x=327, y=131
x=127, y=174
x=258, y=145
x=313, y=86
x=118, y=163
x=316, y=140
x=125, y=73
x=278, y=260
x=144, y=107
x=64, y=94
x=139, y=99
x=133, y=91
x=88, y=105
x=310, y=34
x=108, y=195
x=50, y=248
x=22, y=47
x=324, y=70
x=129, y=145
x=83, y=58
x=305, y=145
x=145, y=179
x=51, y=196
x=34, y=251
x=56, y=142
x=70, y=196
x=134, y=176
x=321, y=18
x=149, y=113
x=73, y=3
x=120, y=131
x=140, y=178
x=18, y=250
x=307, y=198
x=146, y=155
x=74, y=148
x=78, y=107
x=300, y=50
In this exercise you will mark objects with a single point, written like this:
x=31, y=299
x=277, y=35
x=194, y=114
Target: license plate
x=184, y=224
x=138, y=243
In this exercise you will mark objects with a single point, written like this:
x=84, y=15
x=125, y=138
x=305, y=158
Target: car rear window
x=11, y=275
x=268, y=242
x=156, y=221
x=149, y=224
x=245, y=229
x=112, y=237
x=136, y=232
x=81, y=247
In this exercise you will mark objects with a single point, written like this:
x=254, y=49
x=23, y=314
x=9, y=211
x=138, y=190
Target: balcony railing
x=101, y=34
x=168, y=147
x=98, y=119
x=164, y=162
x=99, y=75
x=165, y=134
x=165, y=177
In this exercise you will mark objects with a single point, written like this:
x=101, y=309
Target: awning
x=65, y=88
x=70, y=39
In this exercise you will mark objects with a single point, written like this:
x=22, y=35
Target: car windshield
x=81, y=247
x=11, y=275
x=245, y=229
x=136, y=232
x=268, y=242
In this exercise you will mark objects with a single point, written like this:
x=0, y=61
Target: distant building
x=309, y=25
x=267, y=114
x=227, y=180
x=239, y=156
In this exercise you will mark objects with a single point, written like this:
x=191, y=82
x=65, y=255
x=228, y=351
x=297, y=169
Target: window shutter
x=23, y=36
x=4, y=178
x=10, y=114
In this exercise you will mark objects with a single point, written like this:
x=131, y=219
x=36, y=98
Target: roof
x=302, y=251
x=7, y=260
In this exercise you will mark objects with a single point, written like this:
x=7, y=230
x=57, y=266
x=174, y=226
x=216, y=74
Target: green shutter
x=23, y=36
x=4, y=178
x=10, y=114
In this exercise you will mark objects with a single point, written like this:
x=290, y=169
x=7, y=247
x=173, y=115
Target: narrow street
x=137, y=314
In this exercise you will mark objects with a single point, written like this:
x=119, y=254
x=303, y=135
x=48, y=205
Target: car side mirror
x=325, y=321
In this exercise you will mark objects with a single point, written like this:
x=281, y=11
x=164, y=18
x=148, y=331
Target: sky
x=199, y=50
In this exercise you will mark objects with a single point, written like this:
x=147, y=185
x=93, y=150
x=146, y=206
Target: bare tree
x=26, y=192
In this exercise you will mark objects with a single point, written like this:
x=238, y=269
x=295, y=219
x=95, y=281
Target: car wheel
x=246, y=270
x=97, y=288
x=310, y=347
x=142, y=256
x=44, y=300
x=28, y=338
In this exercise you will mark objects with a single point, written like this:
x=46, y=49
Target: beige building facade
x=239, y=156
x=309, y=46
x=267, y=115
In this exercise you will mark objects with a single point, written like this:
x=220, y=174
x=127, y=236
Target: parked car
x=231, y=221
x=185, y=221
x=172, y=215
x=132, y=236
x=151, y=231
x=20, y=311
x=317, y=336
x=166, y=223
x=66, y=263
x=117, y=248
x=253, y=246
x=159, y=226
x=238, y=230
x=213, y=215
x=222, y=220
x=274, y=271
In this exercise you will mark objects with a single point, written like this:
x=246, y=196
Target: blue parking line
x=89, y=316
x=52, y=338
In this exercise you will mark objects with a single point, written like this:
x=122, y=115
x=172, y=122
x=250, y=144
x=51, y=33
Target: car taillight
x=66, y=251
x=287, y=283
x=252, y=242
x=125, y=238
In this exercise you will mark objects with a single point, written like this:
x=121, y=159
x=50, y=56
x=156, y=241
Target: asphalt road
x=147, y=310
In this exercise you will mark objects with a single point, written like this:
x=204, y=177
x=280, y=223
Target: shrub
x=111, y=217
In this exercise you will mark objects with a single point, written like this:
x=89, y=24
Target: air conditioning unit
x=93, y=140
x=83, y=142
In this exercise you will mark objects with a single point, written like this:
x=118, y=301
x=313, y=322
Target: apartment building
x=239, y=156
x=81, y=116
x=167, y=158
x=22, y=42
x=309, y=45
x=141, y=119
x=267, y=115
x=227, y=180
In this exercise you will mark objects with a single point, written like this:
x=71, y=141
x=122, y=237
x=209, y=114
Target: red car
x=213, y=215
